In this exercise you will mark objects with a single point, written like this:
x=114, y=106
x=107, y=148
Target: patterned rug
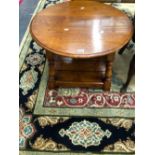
x=71, y=121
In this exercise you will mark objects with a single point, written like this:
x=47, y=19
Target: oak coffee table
x=80, y=39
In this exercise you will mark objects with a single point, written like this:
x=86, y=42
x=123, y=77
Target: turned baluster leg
x=108, y=74
x=51, y=73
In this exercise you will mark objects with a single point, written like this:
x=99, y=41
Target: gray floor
x=26, y=10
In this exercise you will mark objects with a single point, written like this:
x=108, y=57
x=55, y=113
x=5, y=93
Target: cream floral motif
x=45, y=120
x=116, y=98
x=31, y=101
x=36, y=47
x=80, y=100
x=121, y=146
x=85, y=133
x=59, y=103
x=41, y=67
x=99, y=98
x=125, y=123
x=52, y=100
x=35, y=59
x=28, y=80
x=43, y=144
x=47, y=144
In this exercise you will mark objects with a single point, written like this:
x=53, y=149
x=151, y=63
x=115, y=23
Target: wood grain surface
x=81, y=29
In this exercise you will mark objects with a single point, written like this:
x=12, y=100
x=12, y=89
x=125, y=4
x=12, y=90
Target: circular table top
x=81, y=29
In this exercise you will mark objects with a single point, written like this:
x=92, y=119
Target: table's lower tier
x=87, y=73
x=78, y=79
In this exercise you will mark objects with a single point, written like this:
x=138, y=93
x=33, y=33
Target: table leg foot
x=51, y=85
x=107, y=85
